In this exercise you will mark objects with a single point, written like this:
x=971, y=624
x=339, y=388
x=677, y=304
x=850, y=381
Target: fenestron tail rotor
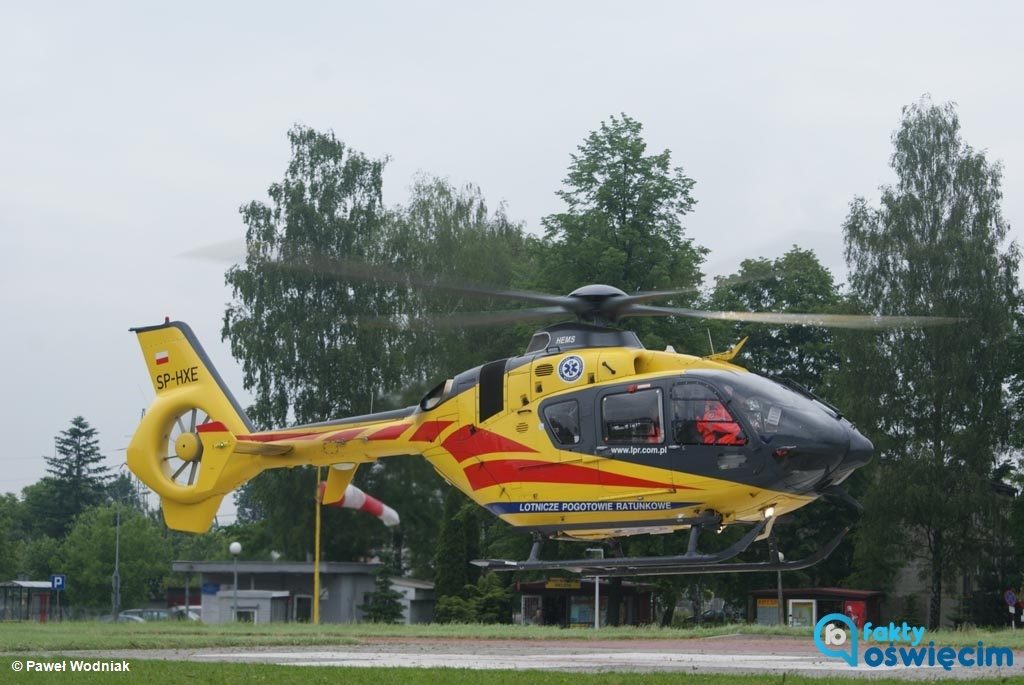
x=184, y=454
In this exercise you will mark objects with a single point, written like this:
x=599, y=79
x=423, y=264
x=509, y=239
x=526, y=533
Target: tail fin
x=182, y=449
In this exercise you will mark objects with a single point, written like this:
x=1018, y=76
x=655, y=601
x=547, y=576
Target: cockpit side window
x=632, y=417
x=563, y=419
x=699, y=417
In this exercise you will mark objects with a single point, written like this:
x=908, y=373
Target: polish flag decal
x=162, y=358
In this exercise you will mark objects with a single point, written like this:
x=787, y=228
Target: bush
x=489, y=601
x=454, y=609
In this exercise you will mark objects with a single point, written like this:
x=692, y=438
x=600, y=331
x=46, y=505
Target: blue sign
x=58, y=581
x=1010, y=597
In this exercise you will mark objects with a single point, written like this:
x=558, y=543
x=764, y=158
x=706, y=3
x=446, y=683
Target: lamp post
x=115, y=580
x=596, y=553
x=235, y=548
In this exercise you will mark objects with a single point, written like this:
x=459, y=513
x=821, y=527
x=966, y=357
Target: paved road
x=726, y=654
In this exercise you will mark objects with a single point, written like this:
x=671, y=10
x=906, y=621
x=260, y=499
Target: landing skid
x=692, y=562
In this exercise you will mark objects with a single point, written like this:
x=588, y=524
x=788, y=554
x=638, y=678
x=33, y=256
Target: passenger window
x=700, y=418
x=564, y=421
x=632, y=417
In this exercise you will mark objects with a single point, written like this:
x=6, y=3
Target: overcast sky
x=131, y=133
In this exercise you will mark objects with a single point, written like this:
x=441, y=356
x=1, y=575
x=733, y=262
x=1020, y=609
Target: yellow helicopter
x=586, y=435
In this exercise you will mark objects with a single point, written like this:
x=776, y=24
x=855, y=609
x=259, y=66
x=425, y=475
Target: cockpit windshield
x=771, y=410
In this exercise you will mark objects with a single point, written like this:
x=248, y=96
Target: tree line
x=940, y=404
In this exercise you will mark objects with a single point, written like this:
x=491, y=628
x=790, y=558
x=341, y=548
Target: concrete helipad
x=726, y=654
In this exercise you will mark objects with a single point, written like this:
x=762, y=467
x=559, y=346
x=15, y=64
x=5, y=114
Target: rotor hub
x=597, y=291
x=188, y=447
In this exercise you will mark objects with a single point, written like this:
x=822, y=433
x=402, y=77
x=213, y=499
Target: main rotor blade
x=354, y=269
x=363, y=271
x=468, y=319
x=649, y=295
x=637, y=298
x=231, y=251
x=855, y=321
x=511, y=316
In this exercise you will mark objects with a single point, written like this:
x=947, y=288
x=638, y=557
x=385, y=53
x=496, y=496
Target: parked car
x=122, y=618
x=149, y=614
x=183, y=613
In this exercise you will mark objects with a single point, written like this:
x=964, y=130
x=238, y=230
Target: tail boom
x=222, y=451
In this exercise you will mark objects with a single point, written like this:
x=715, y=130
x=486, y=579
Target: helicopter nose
x=860, y=452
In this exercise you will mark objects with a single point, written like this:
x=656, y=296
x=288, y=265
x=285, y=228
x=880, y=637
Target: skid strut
x=692, y=562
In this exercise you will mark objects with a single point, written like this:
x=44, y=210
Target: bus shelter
x=29, y=600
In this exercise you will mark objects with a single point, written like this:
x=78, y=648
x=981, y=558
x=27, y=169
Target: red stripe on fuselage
x=345, y=435
x=211, y=427
x=467, y=442
x=429, y=430
x=488, y=473
x=272, y=437
x=389, y=433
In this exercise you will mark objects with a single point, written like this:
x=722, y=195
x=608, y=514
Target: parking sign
x=58, y=581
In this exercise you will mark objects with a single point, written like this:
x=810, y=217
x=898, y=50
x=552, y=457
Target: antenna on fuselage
x=710, y=344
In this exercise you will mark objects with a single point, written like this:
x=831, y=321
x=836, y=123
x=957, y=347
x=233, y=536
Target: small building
x=804, y=606
x=282, y=591
x=30, y=600
x=417, y=599
x=569, y=602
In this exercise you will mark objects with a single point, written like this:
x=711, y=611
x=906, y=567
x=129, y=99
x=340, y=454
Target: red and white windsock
x=355, y=498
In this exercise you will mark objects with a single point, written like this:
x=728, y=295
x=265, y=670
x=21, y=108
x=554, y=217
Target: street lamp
x=596, y=553
x=115, y=580
x=235, y=548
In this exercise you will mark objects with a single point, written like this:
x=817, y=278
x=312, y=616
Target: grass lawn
x=36, y=637
x=245, y=674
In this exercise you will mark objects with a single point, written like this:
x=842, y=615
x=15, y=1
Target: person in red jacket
x=717, y=426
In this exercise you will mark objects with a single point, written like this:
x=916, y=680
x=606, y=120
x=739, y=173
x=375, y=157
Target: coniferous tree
x=78, y=474
x=384, y=604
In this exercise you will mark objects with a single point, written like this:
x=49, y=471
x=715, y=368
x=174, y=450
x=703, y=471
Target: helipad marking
x=603, y=660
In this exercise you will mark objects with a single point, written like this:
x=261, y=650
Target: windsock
x=355, y=498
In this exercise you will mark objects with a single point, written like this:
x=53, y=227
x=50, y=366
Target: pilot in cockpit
x=716, y=426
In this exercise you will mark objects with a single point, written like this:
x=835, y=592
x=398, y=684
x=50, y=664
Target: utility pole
x=596, y=553
x=235, y=548
x=782, y=608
